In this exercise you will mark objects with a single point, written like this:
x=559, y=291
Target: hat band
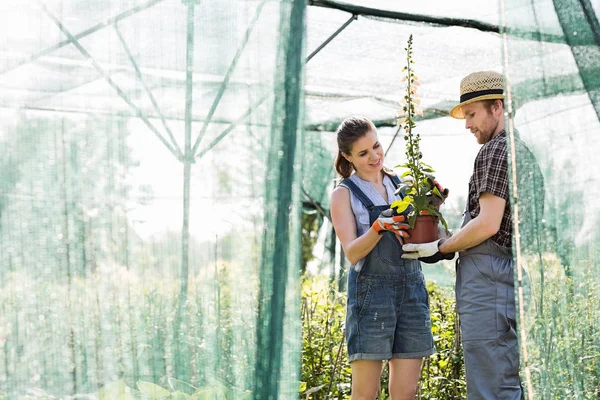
x=472, y=95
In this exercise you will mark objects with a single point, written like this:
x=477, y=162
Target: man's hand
x=426, y=252
x=414, y=251
x=396, y=224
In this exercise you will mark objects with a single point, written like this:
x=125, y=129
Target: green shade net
x=160, y=160
x=150, y=199
x=554, y=93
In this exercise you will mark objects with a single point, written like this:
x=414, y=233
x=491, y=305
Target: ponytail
x=343, y=167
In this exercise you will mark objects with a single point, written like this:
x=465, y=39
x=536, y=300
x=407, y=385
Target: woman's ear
x=346, y=156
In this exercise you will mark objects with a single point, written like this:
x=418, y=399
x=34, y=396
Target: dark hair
x=350, y=130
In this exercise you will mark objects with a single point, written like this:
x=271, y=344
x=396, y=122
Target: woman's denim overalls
x=388, y=305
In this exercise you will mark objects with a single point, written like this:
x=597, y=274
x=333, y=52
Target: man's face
x=482, y=122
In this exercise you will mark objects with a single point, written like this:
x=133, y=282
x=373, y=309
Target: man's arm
x=482, y=227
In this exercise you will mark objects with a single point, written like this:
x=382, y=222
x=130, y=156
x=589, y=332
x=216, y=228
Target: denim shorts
x=387, y=316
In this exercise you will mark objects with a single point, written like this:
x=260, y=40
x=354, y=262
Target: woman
x=387, y=315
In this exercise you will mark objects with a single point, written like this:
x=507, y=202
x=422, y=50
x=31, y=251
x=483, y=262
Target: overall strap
x=358, y=193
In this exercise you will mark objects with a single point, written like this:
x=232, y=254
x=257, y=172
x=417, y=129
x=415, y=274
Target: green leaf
x=405, y=174
x=302, y=387
x=412, y=218
x=420, y=202
x=179, y=396
x=432, y=211
x=401, y=166
x=180, y=386
x=315, y=389
x=443, y=221
x=436, y=191
x=115, y=391
x=152, y=390
x=224, y=390
x=204, y=394
x=428, y=170
x=245, y=395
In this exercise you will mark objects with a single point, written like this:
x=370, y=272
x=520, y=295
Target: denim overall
x=387, y=312
x=485, y=300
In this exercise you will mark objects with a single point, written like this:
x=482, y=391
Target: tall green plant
x=419, y=191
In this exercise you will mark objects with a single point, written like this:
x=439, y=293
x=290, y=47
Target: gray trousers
x=486, y=306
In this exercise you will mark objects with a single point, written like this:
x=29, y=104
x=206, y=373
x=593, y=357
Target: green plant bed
x=326, y=373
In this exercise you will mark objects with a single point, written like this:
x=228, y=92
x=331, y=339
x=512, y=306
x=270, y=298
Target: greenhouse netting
x=166, y=168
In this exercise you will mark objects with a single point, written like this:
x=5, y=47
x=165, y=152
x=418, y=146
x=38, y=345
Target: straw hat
x=483, y=85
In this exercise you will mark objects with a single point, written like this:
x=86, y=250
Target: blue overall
x=387, y=312
x=485, y=300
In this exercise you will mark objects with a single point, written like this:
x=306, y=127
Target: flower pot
x=425, y=230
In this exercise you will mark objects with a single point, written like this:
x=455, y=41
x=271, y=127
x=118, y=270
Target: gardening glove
x=426, y=252
x=433, y=198
x=396, y=224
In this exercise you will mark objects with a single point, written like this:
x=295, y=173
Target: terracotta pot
x=425, y=230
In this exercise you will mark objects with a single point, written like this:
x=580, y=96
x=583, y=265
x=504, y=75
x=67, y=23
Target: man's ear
x=499, y=107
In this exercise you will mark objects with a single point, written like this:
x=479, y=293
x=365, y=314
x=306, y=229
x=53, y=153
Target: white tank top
x=361, y=214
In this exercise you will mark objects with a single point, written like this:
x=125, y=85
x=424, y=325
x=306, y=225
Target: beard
x=487, y=133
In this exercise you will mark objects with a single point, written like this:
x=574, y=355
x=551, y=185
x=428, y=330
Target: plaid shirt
x=490, y=174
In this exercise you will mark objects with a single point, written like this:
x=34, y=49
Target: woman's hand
x=396, y=224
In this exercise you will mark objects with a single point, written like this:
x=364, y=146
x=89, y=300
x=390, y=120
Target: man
x=484, y=272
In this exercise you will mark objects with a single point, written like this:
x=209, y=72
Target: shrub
x=326, y=373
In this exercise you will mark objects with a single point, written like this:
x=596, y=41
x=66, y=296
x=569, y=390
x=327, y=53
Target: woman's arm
x=355, y=248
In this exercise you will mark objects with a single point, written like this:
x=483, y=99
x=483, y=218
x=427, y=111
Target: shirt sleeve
x=493, y=170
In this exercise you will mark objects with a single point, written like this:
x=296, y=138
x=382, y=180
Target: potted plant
x=422, y=197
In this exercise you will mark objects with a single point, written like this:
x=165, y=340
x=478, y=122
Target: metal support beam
x=188, y=159
x=110, y=81
x=138, y=73
x=81, y=35
x=113, y=114
x=226, y=132
x=225, y=82
x=254, y=106
x=330, y=38
x=431, y=20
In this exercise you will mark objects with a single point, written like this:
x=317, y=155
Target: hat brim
x=456, y=112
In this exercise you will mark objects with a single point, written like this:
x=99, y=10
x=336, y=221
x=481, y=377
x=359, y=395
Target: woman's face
x=366, y=153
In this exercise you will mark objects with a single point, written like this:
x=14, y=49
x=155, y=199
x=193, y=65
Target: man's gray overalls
x=486, y=305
